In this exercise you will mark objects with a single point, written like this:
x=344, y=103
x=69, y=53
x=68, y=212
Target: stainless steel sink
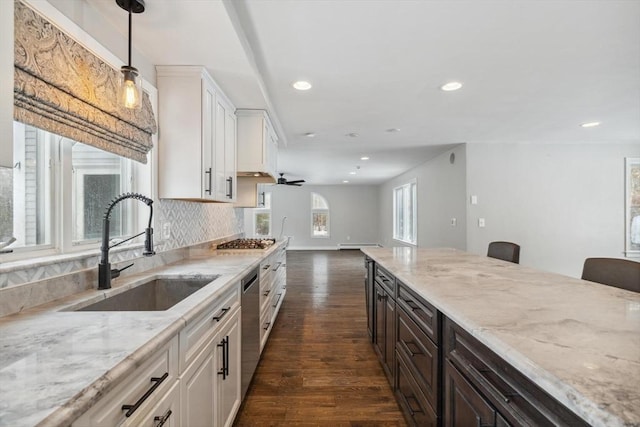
x=156, y=295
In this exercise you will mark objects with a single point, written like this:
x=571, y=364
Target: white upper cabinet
x=197, y=136
x=257, y=144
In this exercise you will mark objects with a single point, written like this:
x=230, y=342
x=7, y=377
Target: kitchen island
x=57, y=363
x=577, y=341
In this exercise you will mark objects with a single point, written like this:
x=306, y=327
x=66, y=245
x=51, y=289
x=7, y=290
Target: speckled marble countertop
x=578, y=340
x=55, y=364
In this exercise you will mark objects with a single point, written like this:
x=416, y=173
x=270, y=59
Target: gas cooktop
x=247, y=244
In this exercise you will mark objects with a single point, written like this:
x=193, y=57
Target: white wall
x=561, y=202
x=353, y=214
x=441, y=196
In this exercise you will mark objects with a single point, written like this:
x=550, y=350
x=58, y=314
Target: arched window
x=319, y=216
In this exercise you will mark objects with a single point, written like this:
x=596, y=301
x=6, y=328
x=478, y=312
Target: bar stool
x=505, y=251
x=617, y=272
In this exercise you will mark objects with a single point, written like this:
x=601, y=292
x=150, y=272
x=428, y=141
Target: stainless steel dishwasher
x=250, y=327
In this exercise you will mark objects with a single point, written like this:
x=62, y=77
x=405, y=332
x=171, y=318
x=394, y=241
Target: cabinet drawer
x=518, y=399
x=196, y=334
x=165, y=413
x=139, y=393
x=386, y=280
x=424, y=314
x=417, y=410
x=421, y=355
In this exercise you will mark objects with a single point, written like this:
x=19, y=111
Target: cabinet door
x=208, y=140
x=379, y=321
x=230, y=154
x=220, y=180
x=390, y=338
x=197, y=389
x=228, y=374
x=464, y=405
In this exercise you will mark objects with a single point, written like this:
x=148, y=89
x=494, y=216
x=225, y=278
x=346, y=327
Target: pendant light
x=130, y=84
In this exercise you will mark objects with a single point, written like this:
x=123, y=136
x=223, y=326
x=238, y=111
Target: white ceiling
x=533, y=71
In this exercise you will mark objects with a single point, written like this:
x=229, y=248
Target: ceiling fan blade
x=297, y=181
x=294, y=183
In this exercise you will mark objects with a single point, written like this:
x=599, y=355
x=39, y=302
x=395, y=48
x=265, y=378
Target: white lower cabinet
x=228, y=371
x=210, y=386
x=197, y=389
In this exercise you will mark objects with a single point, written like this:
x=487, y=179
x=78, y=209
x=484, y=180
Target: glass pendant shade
x=130, y=88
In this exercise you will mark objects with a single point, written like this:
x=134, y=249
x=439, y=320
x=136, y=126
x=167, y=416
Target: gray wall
x=441, y=196
x=561, y=202
x=353, y=214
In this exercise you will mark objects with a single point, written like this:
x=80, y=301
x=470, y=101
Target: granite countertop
x=55, y=364
x=578, y=340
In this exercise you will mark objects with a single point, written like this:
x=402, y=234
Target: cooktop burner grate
x=247, y=244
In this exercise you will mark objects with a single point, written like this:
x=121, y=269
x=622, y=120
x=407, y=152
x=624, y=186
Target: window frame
x=325, y=211
x=409, y=193
x=143, y=176
x=263, y=210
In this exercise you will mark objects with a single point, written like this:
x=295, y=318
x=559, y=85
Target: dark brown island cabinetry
x=418, y=358
x=479, y=381
x=405, y=336
x=443, y=376
x=384, y=308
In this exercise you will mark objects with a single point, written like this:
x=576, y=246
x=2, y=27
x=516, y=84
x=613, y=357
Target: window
x=405, y=213
x=98, y=177
x=262, y=216
x=36, y=206
x=319, y=216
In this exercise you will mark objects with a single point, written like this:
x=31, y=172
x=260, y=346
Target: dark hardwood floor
x=318, y=367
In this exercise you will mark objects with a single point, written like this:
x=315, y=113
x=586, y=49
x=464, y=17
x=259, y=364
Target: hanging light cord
x=130, y=6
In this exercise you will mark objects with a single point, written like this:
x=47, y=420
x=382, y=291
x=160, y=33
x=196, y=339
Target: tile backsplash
x=191, y=223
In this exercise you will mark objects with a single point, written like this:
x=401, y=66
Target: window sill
x=35, y=259
x=406, y=242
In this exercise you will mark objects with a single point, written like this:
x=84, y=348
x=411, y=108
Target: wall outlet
x=348, y=237
x=166, y=231
x=481, y=222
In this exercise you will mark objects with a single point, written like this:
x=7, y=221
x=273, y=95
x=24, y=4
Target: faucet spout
x=105, y=273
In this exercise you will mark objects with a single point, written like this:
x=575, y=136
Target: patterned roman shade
x=63, y=88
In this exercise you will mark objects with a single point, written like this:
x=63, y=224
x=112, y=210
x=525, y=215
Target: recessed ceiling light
x=392, y=130
x=346, y=181
x=448, y=87
x=364, y=158
x=590, y=124
x=352, y=135
x=352, y=173
x=302, y=85
x=310, y=135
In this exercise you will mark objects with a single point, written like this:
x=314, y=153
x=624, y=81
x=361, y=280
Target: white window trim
x=413, y=242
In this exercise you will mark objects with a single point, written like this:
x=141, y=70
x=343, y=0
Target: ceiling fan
x=283, y=180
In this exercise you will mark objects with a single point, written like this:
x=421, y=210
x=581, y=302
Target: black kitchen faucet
x=105, y=273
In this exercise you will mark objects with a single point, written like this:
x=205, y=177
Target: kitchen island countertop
x=579, y=341
x=55, y=364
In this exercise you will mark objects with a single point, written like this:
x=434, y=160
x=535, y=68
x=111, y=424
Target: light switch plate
x=480, y=222
x=474, y=200
x=166, y=231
